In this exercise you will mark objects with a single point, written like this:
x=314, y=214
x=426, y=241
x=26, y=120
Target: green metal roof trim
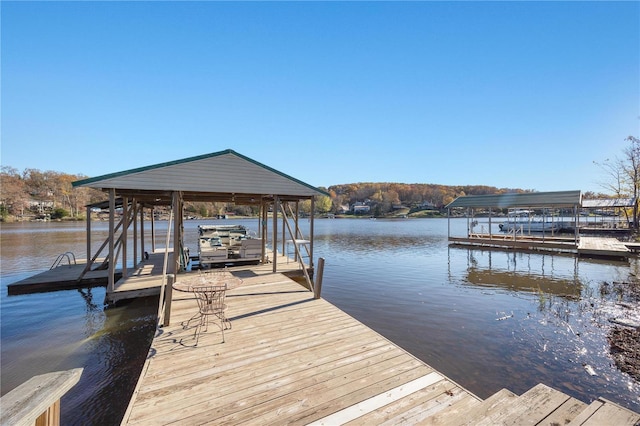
x=188, y=160
x=529, y=199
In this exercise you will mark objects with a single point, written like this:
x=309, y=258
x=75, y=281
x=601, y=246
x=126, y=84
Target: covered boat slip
x=291, y=358
x=483, y=212
x=224, y=176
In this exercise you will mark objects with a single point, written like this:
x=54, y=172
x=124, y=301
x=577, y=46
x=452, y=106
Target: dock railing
x=66, y=255
x=37, y=401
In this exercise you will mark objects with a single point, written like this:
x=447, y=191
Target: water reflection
x=532, y=274
x=564, y=339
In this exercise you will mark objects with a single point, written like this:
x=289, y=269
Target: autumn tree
x=13, y=195
x=623, y=175
x=323, y=204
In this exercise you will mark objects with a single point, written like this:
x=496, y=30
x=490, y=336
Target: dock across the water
x=290, y=358
x=587, y=246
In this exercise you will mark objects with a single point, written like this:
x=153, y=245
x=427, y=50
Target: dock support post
x=264, y=234
x=490, y=233
x=134, y=207
x=168, y=297
x=112, y=256
x=88, y=234
x=276, y=207
x=311, y=233
x=318, y=286
x=142, y=246
x=153, y=230
x=124, y=235
x=177, y=231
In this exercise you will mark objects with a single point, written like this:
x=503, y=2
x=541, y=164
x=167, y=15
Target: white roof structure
x=602, y=203
x=220, y=176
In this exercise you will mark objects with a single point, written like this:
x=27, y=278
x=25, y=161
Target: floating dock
x=602, y=247
x=63, y=277
x=292, y=359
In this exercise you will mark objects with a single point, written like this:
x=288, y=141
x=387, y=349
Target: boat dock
x=63, y=277
x=144, y=280
x=290, y=358
x=601, y=247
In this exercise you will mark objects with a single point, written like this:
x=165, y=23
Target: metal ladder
x=66, y=255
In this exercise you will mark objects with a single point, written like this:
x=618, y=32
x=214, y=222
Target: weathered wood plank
x=422, y=413
x=530, y=408
x=459, y=415
x=27, y=402
x=378, y=401
x=566, y=412
x=605, y=412
x=582, y=417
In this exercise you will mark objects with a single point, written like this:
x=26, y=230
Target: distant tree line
x=34, y=193
x=385, y=197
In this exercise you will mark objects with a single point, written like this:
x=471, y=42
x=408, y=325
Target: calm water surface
x=487, y=319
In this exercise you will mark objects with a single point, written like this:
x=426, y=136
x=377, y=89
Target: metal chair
x=211, y=306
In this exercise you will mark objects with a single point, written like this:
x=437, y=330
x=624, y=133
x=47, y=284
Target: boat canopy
x=556, y=199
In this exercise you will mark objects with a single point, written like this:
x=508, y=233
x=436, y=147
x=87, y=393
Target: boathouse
x=539, y=221
x=495, y=205
x=224, y=176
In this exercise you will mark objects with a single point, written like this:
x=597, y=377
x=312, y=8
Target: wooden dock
x=146, y=279
x=293, y=359
x=63, y=277
x=603, y=247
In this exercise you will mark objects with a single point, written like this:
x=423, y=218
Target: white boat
x=523, y=221
x=227, y=243
x=525, y=226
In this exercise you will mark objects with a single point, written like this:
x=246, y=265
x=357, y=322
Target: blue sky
x=507, y=94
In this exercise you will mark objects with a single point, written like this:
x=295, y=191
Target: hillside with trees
x=384, y=198
x=34, y=194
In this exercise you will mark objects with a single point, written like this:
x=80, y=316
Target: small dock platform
x=145, y=280
x=291, y=359
x=63, y=277
x=603, y=247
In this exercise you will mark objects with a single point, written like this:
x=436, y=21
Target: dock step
x=456, y=415
x=541, y=405
x=603, y=412
x=531, y=407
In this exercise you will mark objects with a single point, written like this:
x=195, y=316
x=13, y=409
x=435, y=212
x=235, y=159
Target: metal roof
x=608, y=203
x=226, y=173
x=529, y=199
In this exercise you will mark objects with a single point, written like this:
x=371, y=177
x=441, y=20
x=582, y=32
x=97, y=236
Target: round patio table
x=187, y=282
x=202, y=284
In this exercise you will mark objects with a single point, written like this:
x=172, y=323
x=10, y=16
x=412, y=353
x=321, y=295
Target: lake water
x=487, y=319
